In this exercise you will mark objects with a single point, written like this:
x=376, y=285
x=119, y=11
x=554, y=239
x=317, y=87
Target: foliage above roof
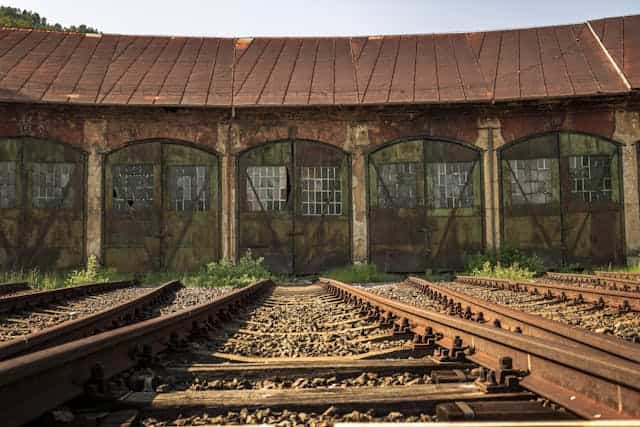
x=12, y=17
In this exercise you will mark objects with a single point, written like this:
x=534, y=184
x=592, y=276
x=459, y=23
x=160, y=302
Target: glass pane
x=397, y=185
x=50, y=185
x=7, y=184
x=532, y=181
x=132, y=187
x=452, y=186
x=266, y=188
x=189, y=188
x=321, y=190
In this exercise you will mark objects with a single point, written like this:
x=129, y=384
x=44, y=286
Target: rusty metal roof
x=588, y=59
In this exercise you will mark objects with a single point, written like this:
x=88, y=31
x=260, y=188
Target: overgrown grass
x=510, y=272
x=227, y=273
x=360, y=273
x=505, y=257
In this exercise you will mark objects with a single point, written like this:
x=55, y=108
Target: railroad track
x=625, y=301
x=635, y=277
x=8, y=289
x=318, y=354
x=625, y=282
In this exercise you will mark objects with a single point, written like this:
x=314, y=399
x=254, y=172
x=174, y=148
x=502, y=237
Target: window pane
x=7, y=184
x=590, y=177
x=397, y=185
x=132, y=187
x=321, y=190
x=532, y=181
x=189, y=188
x=452, y=188
x=50, y=185
x=266, y=188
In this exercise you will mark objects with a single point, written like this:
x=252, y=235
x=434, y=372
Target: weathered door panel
x=191, y=208
x=11, y=201
x=133, y=208
x=41, y=204
x=454, y=204
x=397, y=227
x=572, y=213
x=265, y=213
x=54, y=229
x=322, y=230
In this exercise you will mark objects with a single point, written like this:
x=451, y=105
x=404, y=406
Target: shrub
x=359, y=273
x=505, y=257
x=92, y=273
x=227, y=273
x=511, y=272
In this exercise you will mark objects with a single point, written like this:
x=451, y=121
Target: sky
x=245, y=18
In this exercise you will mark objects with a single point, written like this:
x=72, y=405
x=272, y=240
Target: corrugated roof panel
x=276, y=87
x=322, y=81
x=257, y=78
x=488, y=58
x=449, y=80
x=120, y=66
x=531, y=73
x=467, y=67
x=67, y=78
x=553, y=67
x=366, y=63
x=382, y=76
x=150, y=85
x=507, y=84
x=220, y=90
x=631, y=64
x=579, y=71
x=403, y=80
x=300, y=84
x=174, y=85
x=47, y=71
x=345, y=74
x=197, y=89
x=474, y=82
x=94, y=74
x=426, y=80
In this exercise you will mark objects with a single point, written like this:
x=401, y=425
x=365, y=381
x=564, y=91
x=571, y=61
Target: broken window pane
x=189, y=188
x=397, y=185
x=132, y=187
x=266, y=188
x=7, y=184
x=532, y=181
x=452, y=186
x=590, y=177
x=321, y=191
x=51, y=185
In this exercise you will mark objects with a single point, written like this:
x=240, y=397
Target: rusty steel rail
x=500, y=316
x=583, y=381
x=7, y=288
x=604, y=281
x=109, y=318
x=632, y=277
x=34, y=299
x=37, y=382
x=624, y=300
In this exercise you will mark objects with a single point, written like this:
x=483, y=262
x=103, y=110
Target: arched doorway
x=42, y=204
x=162, y=207
x=294, y=206
x=561, y=198
x=425, y=205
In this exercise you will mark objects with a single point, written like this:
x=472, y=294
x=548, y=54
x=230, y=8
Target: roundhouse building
x=407, y=151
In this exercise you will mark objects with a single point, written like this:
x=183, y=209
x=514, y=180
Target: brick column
x=628, y=132
x=358, y=135
x=228, y=138
x=490, y=139
x=95, y=139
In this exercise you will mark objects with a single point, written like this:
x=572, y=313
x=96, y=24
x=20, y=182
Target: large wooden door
x=42, y=204
x=293, y=206
x=161, y=208
x=561, y=199
x=425, y=205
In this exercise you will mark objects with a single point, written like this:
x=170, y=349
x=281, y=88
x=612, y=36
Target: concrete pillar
x=358, y=135
x=628, y=132
x=95, y=139
x=490, y=140
x=228, y=138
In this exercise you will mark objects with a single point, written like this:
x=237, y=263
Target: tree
x=17, y=18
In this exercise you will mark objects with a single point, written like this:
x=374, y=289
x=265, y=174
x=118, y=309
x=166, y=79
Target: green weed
x=360, y=273
x=511, y=272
